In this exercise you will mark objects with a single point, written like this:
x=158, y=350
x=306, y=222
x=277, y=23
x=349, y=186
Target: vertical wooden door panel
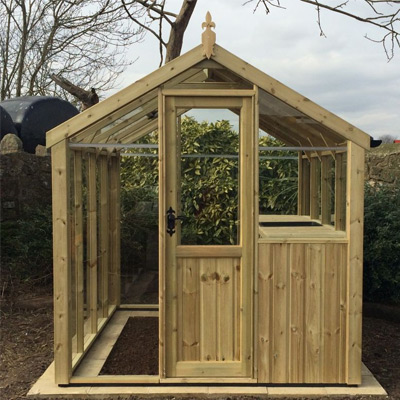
x=210, y=308
x=190, y=309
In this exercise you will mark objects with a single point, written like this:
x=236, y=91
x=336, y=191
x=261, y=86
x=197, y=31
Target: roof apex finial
x=208, y=37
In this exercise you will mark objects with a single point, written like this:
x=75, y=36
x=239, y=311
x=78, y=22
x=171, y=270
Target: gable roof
x=131, y=113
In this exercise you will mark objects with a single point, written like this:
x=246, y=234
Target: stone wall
x=382, y=165
x=25, y=183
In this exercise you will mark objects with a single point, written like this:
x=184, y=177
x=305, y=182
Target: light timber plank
x=209, y=251
x=210, y=85
x=256, y=201
x=115, y=379
x=315, y=184
x=326, y=189
x=283, y=218
x=104, y=236
x=313, y=314
x=247, y=220
x=208, y=102
x=179, y=311
x=280, y=334
x=209, y=92
x=290, y=97
x=92, y=241
x=212, y=368
x=62, y=261
x=73, y=294
x=297, y=312
x=225, y=296
x=340, y=192
x=354, y=228
x=191, y=309
x=78, y=247
x=303, y=240
x=208, y=310
x=237, y=338
x=216, y=380
x=343, y=313
x=161, y=234
x=309, y=233
x=331, y=321
x=265, y=315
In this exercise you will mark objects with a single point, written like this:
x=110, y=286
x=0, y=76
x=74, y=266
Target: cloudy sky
x=344, y=72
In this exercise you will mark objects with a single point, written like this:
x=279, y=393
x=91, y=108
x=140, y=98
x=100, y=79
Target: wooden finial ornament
x=208, y=37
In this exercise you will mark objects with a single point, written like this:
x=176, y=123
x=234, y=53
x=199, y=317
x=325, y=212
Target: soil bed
x=136, y=350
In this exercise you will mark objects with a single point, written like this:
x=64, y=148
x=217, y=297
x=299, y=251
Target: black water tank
x=6, y=123
x=35, y=115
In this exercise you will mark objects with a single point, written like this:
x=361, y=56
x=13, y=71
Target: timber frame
x=301, y=286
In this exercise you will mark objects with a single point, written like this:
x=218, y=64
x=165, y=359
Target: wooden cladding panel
x=209, y=309
x=302, y=305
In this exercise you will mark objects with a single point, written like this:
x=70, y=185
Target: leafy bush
x=382, y=244
x=209, y=186
x=26, y=246
x=278, y=180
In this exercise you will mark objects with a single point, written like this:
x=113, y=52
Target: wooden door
x=206, y=290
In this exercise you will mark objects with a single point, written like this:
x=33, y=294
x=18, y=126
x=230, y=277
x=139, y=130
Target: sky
x=343, y=72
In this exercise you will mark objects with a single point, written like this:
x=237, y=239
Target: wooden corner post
x=60, y=160
x=354, y=228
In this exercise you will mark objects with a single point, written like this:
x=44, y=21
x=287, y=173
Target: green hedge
x=382, y=244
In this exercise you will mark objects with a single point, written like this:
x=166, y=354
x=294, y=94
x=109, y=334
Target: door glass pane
x=209, y=181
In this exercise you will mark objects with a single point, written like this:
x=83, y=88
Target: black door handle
x=171, y=218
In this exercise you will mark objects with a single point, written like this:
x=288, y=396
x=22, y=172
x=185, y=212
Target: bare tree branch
x=82, y=40
x=384, y=14
x=177, y=22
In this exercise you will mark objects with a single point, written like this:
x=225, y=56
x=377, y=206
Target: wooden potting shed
x=281, y=306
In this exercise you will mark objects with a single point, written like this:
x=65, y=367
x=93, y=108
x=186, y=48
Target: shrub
x=382, y=244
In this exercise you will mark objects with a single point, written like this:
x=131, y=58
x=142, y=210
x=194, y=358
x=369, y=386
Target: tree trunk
x=175, y=41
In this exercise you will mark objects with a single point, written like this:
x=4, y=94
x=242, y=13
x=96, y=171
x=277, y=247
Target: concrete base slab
x=45, y=388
